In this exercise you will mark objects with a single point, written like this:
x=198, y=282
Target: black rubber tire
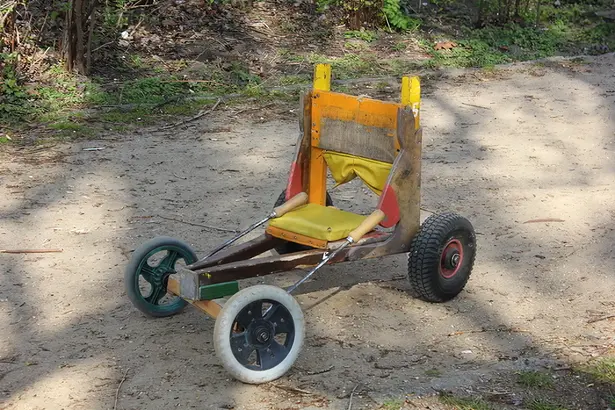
x=133, y=269
x=224, y=324
x=425, y=257
x=290, y=247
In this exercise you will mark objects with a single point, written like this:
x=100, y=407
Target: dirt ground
x=523, y=143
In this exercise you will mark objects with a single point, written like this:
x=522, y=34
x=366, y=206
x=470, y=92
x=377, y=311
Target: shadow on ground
x=532, y=145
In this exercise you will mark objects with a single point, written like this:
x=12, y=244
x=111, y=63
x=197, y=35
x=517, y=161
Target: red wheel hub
x=451, y=258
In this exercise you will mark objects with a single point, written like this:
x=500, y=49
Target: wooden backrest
x=357, y=126
x=350, y=135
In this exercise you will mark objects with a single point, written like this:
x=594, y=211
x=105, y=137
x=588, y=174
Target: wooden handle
x=367, y=225
x=291, y=204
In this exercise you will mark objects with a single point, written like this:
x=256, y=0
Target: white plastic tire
x=226, y=318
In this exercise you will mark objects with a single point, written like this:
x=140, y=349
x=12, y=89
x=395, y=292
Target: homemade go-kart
x=260, y=330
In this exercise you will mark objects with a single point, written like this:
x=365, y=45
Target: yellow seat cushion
x=318, y=222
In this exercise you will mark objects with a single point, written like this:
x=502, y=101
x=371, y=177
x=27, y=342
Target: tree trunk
x=517, y=5
x=8, y=31
x=480, y=17
x=78, y=33
x=507, y=11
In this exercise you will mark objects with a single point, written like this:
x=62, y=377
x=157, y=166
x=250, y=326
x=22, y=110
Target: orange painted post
x=318, y=168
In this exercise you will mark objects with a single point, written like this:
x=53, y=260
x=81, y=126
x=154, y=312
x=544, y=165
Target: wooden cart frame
x=216, y=276
x=379, y=142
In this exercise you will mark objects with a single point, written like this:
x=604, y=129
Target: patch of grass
x=365, y=35
x=565, y=32
x=392, y=404
x=542, y=404
x=400, y=46
x=350, y=65
x=534, y=379
x=602, y=369
x=464, y=403
x=382, y=86
x=294, y=79
x=467, y=53
x=433, y=372
x=184, y=108
x=356, y=46
x=5, y=140
x=117, y=116
x=136, y=61
x=66, y=126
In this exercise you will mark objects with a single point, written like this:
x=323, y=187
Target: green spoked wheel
x=148, y=272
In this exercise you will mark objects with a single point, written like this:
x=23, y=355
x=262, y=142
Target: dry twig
x=328, y=369
x=599, y=319
x=351, y=396
x=476, y=106
x=199, y=225
x=291, y=389
x=29, y=250
x=543, y=220
x=508, y=330
x=117, y=392
x=196, y=117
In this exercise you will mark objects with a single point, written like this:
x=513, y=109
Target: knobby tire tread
x=425, y=254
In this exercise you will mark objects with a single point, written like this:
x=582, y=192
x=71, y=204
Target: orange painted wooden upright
x=318, y=167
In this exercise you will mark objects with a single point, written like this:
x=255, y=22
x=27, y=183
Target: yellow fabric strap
x=345, y=168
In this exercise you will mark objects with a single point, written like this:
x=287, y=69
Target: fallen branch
x=477, y=106
x=544, y=220
x=254, y=108
x=291, y=389
x=199, y=225
x=196, y=117
x=29, y=250
x=351, y=396
x=599, y=319
x=328, y=369
x=509, y=330
x=117, y=392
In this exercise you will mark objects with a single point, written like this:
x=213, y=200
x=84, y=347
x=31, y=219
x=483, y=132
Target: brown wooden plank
x=260, y=267
x=246, y=250
x=210, y=307
x=405, y=179
x=173, y=286
x=352, y=138
x=304, y=155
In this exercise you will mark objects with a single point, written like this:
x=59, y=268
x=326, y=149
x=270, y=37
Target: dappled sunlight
x=527, y=296
x=67, y=381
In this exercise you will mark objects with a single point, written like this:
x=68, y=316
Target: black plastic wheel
x=290, y=247
x=441, y=257
x=259, y=333
x=148, y=271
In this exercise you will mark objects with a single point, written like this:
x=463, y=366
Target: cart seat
x=325, y=224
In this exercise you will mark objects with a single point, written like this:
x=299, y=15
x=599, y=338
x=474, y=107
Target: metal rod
x=248, y=230
x=321, y=264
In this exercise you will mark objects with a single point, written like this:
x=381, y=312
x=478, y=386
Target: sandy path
x=535, y=142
